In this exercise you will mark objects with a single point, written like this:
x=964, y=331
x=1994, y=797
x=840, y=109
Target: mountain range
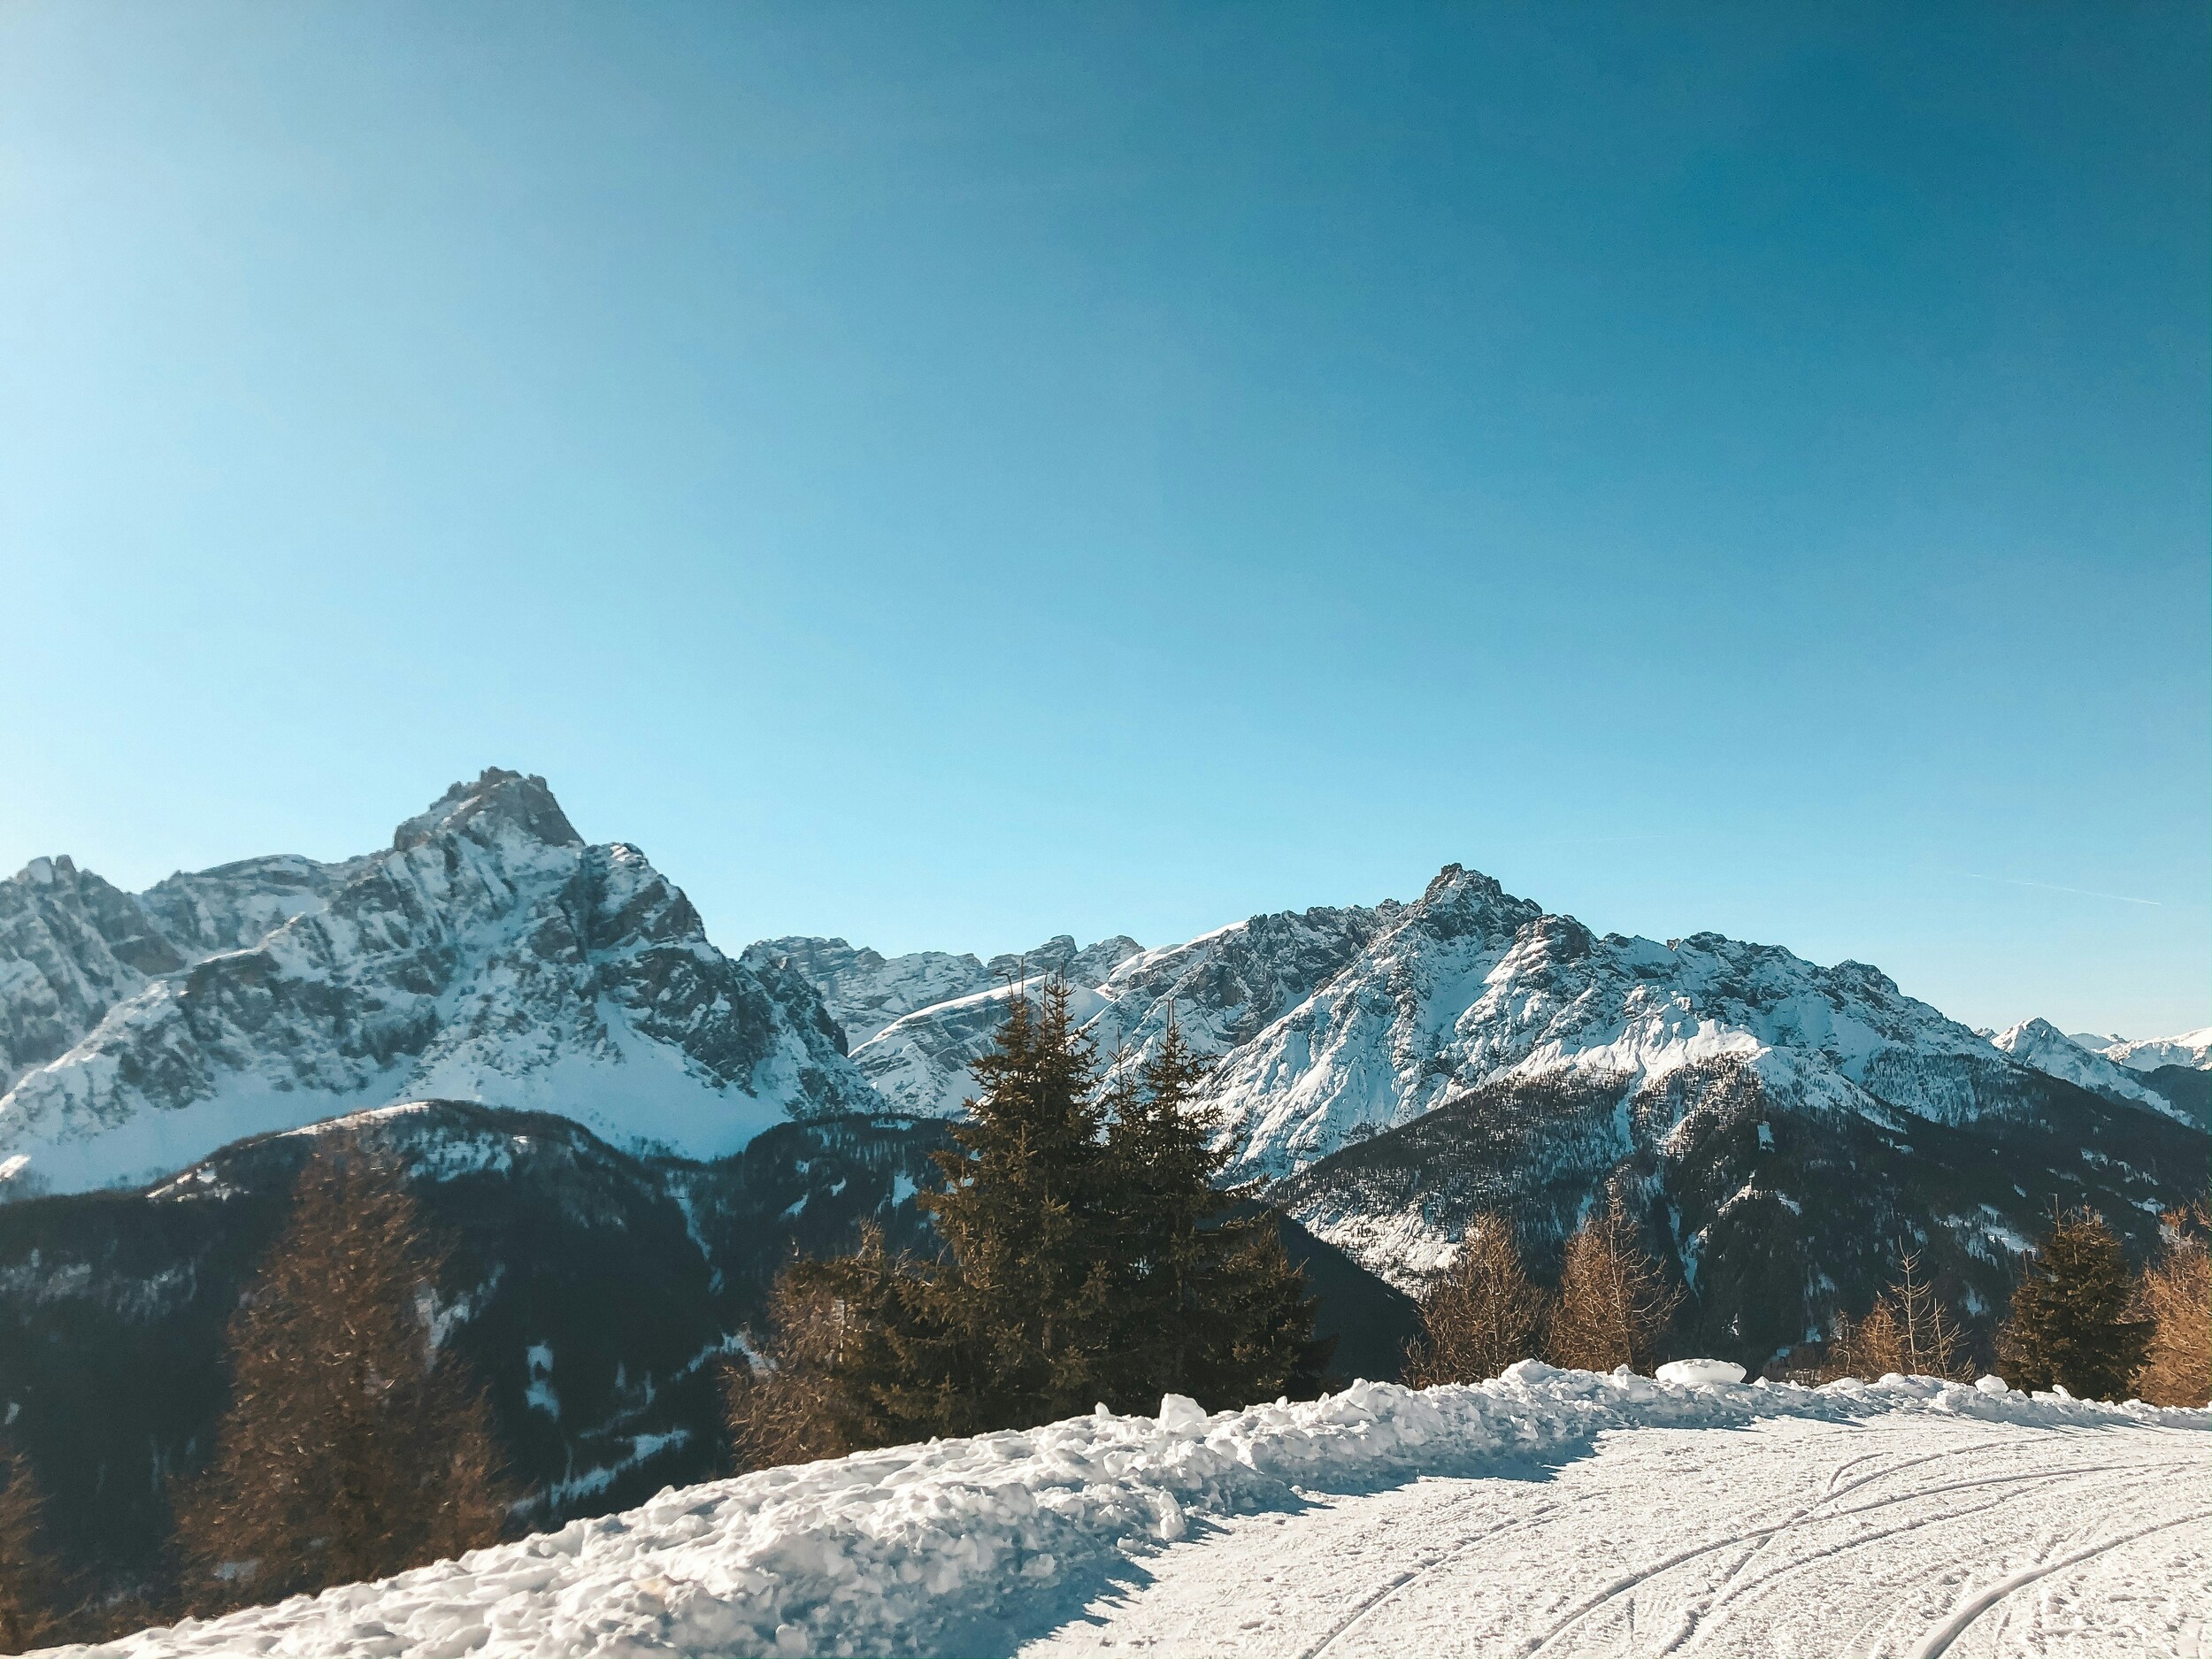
x=591, y=1093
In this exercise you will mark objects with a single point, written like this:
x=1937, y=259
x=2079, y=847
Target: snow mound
x=917, y=1548
x=1690, y=1372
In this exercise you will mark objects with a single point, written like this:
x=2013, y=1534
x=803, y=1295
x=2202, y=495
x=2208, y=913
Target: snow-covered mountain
x=1328, y=1026
x=864, y=990
x=2191, y=1048
x=2039, y=1043
x=489, y=954
x=1471, y=986
x=1224, y=986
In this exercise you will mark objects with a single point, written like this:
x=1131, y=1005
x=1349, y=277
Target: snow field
x=970, y=1546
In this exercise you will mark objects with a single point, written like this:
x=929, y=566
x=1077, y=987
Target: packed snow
x=1546, y=1511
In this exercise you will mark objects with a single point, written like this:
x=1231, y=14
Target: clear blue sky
x=948, y=475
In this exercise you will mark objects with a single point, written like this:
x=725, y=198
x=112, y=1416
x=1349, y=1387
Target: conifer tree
x=1479, y=1315
x=2071, y=1321
x=351, y=1449
x=856, y=1353
x=1614, y=1302
x=32, y=1586
x=2174, y=1296
x=1204, y=1300
x=1015, y=1333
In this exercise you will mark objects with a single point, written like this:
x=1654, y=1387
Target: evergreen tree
x=1480, y=1316
x=1614, y=1302
x=2071, y=1322
x=1204, y=1300
x=352, y=1449
x=32, y=1586
x=1088, y=1255
x=2175, y=1295
x=856, y=1352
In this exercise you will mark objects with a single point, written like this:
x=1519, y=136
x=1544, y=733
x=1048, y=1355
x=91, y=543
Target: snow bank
x=911, y=1549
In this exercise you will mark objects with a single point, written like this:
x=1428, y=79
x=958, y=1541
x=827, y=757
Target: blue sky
x=948, y=475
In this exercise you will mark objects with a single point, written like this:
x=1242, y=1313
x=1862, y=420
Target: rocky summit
x=489, y=954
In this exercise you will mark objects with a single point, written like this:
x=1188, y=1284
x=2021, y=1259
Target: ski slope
x=1915, y=1536
x=1546, y=1512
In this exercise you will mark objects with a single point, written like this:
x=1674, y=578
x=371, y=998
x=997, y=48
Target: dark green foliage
x=1087, y=1256
x=1205, y=1300
x=2071, y=1321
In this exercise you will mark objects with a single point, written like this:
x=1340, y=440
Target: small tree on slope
x=2072, y=1324
x=351, y=1448
x=1479, y=1317
x=32, y=1589
x=1908, y=1330
x=2174, y=1296
x=1614, y=1303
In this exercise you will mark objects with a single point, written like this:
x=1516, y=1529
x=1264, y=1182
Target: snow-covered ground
x=1545, y=1512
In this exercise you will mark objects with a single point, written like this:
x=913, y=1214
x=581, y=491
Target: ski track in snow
x=1546, y=1515
x=1786, y=1537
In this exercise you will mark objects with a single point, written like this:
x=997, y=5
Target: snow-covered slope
x=974, y=1546
x=1225, y=989
x=2039, y=1043
x=864, y=990
x=2191, y=1048
x=1470, y=985
x=487, y=955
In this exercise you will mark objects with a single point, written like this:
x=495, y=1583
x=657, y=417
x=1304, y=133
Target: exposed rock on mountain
x=489, y=954
x=1470, y=985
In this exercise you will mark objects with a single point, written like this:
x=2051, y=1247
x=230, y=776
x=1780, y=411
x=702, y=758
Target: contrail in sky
x=2051, y=887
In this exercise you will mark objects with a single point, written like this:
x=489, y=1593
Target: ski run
x=1547, y=1512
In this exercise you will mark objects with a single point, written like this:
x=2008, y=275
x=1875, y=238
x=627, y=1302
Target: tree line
x=1087, y=1253
x=2079, y=1320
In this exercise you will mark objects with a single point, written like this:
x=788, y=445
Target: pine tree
x=2071, y=1322
x=1614, y=1302
x=1204, y=1300
x=856, y=1353
x=2174, y=1296
x=1479, y=1317
x=352, y=1449
x=32, y=1584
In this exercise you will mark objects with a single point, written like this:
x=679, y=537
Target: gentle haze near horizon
x=946, y=475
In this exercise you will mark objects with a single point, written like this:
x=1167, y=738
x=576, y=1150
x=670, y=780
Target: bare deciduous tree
x=1480, y=1315
x=1614, y=1303
x=353, y=1448
x=2175, y=1294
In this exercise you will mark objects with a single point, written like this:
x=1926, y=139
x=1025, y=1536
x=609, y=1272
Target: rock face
x=487, y=955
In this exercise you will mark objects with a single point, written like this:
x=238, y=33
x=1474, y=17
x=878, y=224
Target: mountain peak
x=498, y=799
